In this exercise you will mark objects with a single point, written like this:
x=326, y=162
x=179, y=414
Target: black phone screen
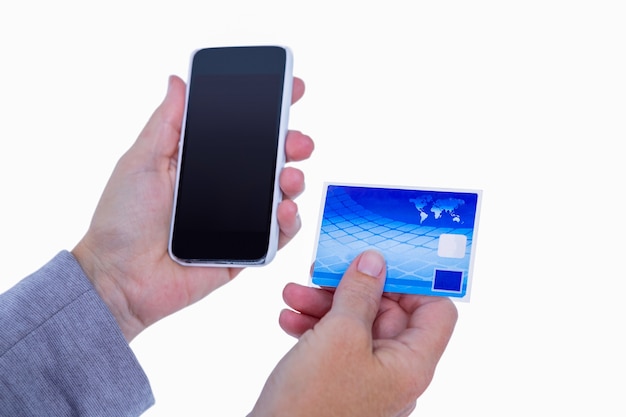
x=228, y=163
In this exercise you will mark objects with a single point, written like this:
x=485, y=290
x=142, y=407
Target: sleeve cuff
x=62, y=352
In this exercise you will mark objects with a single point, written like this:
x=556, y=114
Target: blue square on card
x=445, y=280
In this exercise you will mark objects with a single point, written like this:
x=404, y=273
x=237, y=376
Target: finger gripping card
x=427, y=236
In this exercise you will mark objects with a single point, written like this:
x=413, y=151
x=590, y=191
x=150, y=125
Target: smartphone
x=231, y=152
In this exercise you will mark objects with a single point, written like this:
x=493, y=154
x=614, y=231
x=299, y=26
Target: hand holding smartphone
x=231, y=152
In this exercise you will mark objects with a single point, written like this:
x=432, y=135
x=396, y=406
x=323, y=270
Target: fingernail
x=298, y=219
x=371, y=263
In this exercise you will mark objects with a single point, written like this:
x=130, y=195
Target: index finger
x=297, y=90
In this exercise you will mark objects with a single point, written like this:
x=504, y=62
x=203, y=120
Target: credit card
x=427, y=235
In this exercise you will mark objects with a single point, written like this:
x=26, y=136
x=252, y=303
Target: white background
x=524, y=100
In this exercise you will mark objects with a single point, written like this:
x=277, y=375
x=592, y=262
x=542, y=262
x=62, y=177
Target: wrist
x=103, y=278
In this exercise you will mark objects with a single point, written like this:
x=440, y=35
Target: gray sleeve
x=62, y=352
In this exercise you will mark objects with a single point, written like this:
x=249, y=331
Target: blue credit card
x=427, y=236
